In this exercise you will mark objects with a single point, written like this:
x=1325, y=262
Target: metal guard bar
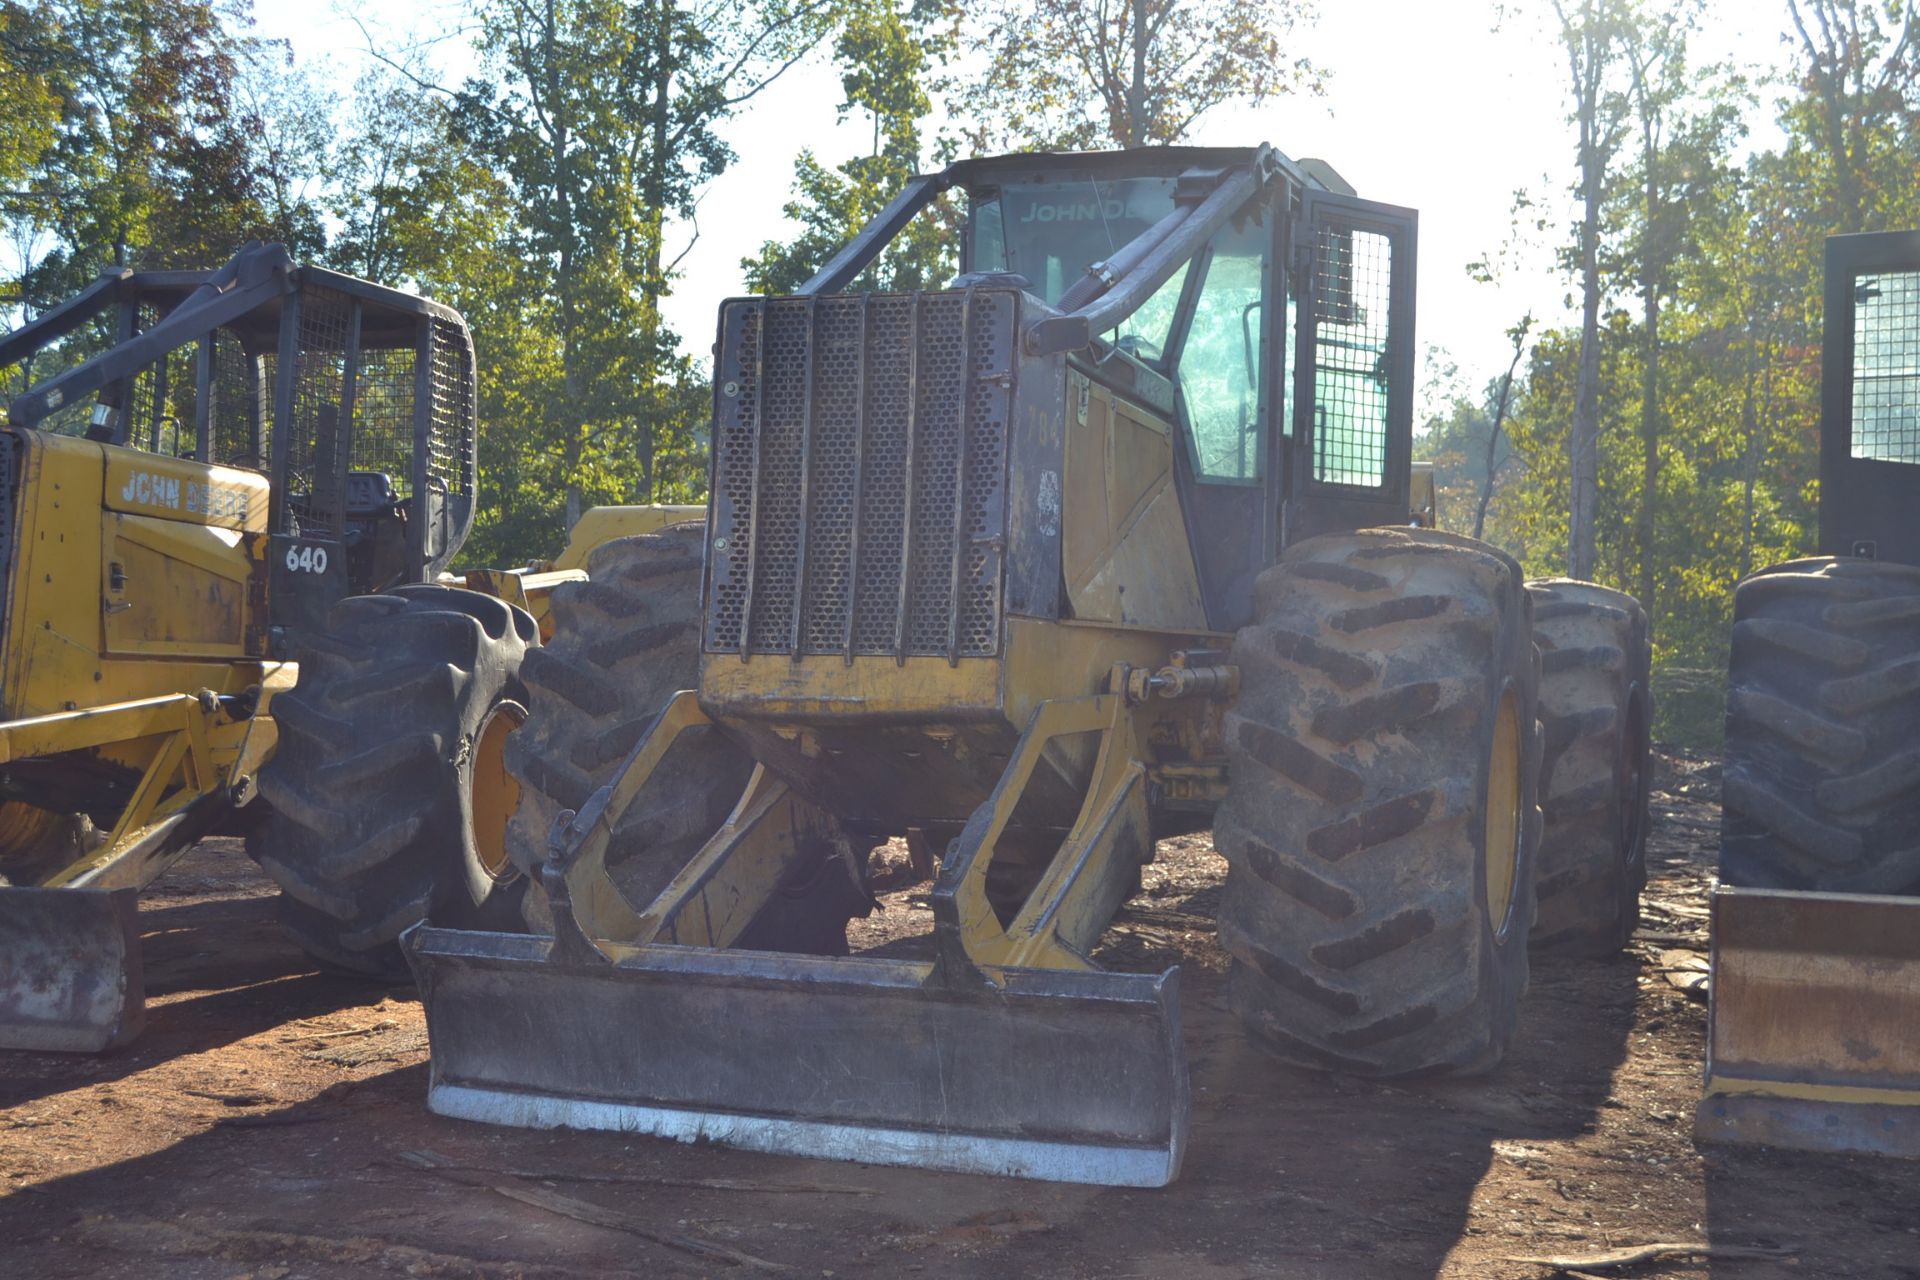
x=1076, y=330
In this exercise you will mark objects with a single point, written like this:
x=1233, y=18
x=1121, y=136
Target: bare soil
x=270, y=1124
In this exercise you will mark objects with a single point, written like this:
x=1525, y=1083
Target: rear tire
x=624, y=642
x=1822, y=783
x=1596, y=660
x=1381, y=821
x=37, y=842
x=369, y=826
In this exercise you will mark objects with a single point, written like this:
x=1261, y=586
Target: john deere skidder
x=1814, y=1036
x=1105, y=541
x=182, y=514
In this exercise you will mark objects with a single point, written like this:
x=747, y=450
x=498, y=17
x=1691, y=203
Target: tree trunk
x=1650, y=281
x=1583, y=441
x=654, y=230
x=1499, y=423
x=573, y=393
x=1587, y=51
x=1137, y=88
x=1750, y=464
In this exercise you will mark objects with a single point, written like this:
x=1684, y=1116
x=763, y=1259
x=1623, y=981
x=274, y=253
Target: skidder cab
x=198, y=467
x=1096, y=545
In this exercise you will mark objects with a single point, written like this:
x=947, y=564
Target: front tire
x=1822, y=783
x=388, y=743
x=1381, y=820
x=624, y=642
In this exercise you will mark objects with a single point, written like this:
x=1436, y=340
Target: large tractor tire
x=624, y=642
x=387, y=794
x=1822, y=783
x=1596, y=662
x=36, y=842
x=1381, y=820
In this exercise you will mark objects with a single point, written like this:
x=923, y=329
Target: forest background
x=541, y=165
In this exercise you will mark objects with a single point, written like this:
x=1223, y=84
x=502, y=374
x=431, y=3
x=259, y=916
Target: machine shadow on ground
x=1291, y=1173
x=217, y=970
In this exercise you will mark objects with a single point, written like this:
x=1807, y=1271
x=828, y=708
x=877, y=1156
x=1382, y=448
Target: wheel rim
x=493, y=793
x=1500, y=851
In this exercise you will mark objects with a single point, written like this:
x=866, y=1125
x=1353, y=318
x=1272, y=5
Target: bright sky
x=1427, y=105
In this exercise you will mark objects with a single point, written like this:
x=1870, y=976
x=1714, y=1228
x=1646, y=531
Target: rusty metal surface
x=1813, y=1037
x=1061, y=1076
x=70, y=976
x=1816, y=989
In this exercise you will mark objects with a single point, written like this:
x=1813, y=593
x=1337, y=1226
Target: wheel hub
x=1500, y=853
x=492, y=792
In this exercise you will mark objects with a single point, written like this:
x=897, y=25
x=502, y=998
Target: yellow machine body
x=137, y=581
x=1046, y=771
x=134, y=688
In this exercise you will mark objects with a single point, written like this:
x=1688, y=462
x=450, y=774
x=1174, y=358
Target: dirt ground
x=270, y=1124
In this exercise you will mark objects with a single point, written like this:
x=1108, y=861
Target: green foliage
x=536, y=198
x=32, y=117
x=885, y=51
x=1077, y=74
x=167, y=145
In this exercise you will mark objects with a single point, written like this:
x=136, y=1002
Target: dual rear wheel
x=1408, y=708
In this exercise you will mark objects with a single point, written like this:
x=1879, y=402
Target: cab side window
x=1220, y=374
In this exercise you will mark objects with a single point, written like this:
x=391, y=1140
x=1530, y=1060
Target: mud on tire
x=1596, y=660
x=624, y=642
x=1382, y=668
x=1822, y=783
x=369, y=826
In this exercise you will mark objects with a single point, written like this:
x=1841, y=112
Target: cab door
x=1870, y=398
x=1351, y=309
x=1224, y=360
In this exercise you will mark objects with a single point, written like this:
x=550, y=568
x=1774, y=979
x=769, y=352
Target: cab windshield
x=1050, y=232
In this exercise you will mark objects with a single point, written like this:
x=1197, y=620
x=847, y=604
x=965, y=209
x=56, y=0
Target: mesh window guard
x=1886, y=366
x=1352, y=286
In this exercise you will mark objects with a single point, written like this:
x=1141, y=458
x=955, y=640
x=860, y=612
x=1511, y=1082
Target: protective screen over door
x=1352, y=287
x=1886, y=366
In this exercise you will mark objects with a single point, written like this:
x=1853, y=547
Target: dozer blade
x=1065, y=1076
x=1813, y=1037
x=70, y=977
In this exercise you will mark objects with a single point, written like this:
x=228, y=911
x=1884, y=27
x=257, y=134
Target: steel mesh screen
x=450, y=439
x=1352, y=286
x=1886, y=367
x=383, y=415
x=149, y=390
x=239, y=397
x=314, y=435
x=159, y=412
x=859, y=474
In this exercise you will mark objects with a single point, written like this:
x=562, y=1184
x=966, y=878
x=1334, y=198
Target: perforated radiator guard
x=860, y=473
